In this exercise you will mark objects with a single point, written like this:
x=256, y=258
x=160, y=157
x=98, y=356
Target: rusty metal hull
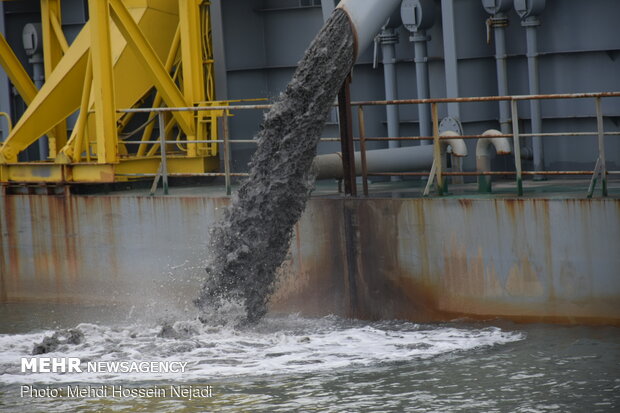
x=550, y=260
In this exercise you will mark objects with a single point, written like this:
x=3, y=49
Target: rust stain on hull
x=413, y=259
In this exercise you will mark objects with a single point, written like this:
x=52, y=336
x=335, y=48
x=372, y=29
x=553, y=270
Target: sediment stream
x=252, y=241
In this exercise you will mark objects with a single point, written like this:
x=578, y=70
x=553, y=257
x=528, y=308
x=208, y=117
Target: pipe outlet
x=501, y=144
x=483, y=156
x=367, y=18
x=457, y=146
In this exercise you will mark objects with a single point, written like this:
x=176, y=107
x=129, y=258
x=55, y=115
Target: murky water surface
x=290, y=363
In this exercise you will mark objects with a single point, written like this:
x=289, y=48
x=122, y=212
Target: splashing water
x=275, y=346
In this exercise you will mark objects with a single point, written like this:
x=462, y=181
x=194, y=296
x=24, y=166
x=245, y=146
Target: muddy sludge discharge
x=252, y=241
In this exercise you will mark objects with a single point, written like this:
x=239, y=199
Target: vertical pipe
x=450, y=57
x=388, y=40
x=499, y=22
x=346, y=138
x=420, y=40
x=38, y=76
x=531, y=26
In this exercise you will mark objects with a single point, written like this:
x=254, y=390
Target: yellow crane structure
x=130, y=54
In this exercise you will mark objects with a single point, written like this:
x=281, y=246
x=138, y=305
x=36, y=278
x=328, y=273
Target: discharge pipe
x=483, y=156
x=406, y=159
x=529, y=10
x=367, y=17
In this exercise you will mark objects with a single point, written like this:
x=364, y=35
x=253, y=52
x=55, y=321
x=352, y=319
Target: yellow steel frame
x=129, y=49
x=103, y=82
x=54, y=47
x=16, y=72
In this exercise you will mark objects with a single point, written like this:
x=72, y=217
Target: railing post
x=226, y=134
x=162, y=144
x=362, y=127
x=517, y=145
x=437, y=149
x=346, y=138
x=601, y=144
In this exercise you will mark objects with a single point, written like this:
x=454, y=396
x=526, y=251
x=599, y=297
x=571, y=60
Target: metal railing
x=436, y=174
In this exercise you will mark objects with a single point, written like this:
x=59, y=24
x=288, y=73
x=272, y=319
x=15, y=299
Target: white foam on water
x=275, y=346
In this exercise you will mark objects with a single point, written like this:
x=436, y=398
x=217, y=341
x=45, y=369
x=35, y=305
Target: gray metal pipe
x=499, y=22
x=420, y=40
x=38, y=77
x=450, y=57
x=388, y=39
x=367, y=17
x=411, y=158
x=531, y=30
x=483, y=156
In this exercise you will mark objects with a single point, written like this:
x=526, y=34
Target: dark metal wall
x=259, y=43
x=580, y=52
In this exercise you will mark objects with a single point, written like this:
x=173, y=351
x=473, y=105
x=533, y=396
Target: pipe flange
x=420, y=36
x=388, y=37
x=532, y=21
x=450, y=124
x=498, y=20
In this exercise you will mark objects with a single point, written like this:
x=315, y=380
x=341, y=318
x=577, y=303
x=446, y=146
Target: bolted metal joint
x=531, y=21
x=387, y=36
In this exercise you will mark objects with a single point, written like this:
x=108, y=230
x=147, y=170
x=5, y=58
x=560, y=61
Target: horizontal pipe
x=396, y=159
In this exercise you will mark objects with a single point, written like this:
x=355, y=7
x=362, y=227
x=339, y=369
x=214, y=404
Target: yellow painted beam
x=33, y=173
x=16, y=72
x=151, y=63
x=54, y=47
x=60, y=35
x=191, y=53
x=103, y=81
x=174, y=49
x=52, y=43
x=72, y=152
x=58, y=98
x=93, y=172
